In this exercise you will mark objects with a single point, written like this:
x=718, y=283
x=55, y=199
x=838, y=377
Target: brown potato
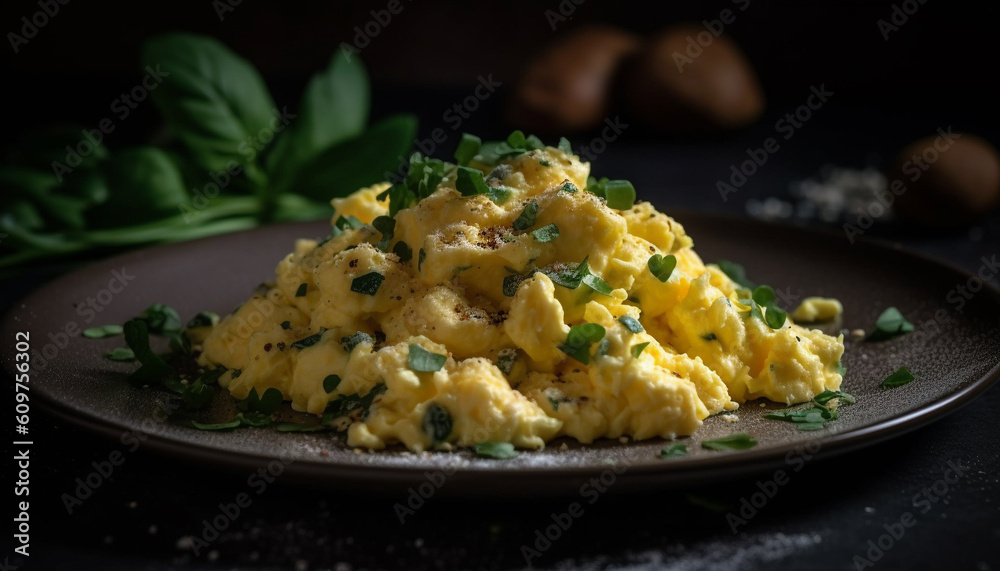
x=948, y=181
x=568, y=88
x=686, y=79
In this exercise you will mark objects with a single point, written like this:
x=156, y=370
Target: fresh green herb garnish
x=265, y=404
x=631, y=323
x=638, y=349
x=468, y=147
x=102, y=331
x=343, y=223
x=367, y=284
x=423, y=361
x=492, y=152
x=387, y=227
x=496, y=450
x=404, y=252
x=301, y=292
x=544, y=163
x=898, y=379
x=619, y=194
x=890, y=324
x=840, y=368
x=120, y=354
x=310, y=340
x=347, y=404
x=154, y=369
x=546, y=233
x=662, y=266
x=604, y=347
x=505, y=360
x=469, y=182
x=568, y=187
x=286, y=325
x=674, y=450
x=330, y=383
x=569, y=276
x=526, y=219
x=352, y=341
x=816, y=416
x=420, y=258
x=709, y=337
x=579, y=340
x=437, y=423
x=565, y=146
x=735, y=442
x=499, y=194
x=828, y=395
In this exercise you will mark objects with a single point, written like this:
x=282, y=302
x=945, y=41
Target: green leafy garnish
x=404, y=252
x=330, y=383
x=154, y=369
x=674, y=450
x=709, y=337
x=420, y=258
x=286, y=325
x=469, y=182
x=301, y=292
x=352, y=341
x=840, y=368
x=423, y=361
x=662, y=266
x=197, y=395
x=437, y=423
x=579, y=340
x=890, y=324
x=526, y=219
x=367, y=284
x=816, y=416
x=631, y=323
x=546, y=233
x=120, y=354
x=638, y=349
x=493, y=152
x=264, y=404
x=310, y=340
x=102, y=331
x=898, y=379
x=387, y=227
x=735, y=442
x=161, y=319
x=568, y=187
x=496, y=450
x=467, y=148
x=347, y=404
x=619, y=194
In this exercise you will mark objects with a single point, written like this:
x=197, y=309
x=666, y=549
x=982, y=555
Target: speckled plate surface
x=954, y=354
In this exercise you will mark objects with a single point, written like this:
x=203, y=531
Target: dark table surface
x=143, y=516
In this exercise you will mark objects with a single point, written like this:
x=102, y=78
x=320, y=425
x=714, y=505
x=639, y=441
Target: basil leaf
x=828, y=395
x=102, y=331
x=673, y=451
x=526, y=219
x=467, y=148
x=404, y=252
x=214, y=101
x=437, y=423
x=890, y=324
x=334, y=108
x=662, y=266
x=469, y=182
x=387, y=227
x=160, y=319
x=347, y=404
x=423, y=361
x=764, y=296
x=898, y=379
x=154, y=369
x=367, y=284
x=496, y=450
x=734, y=442
x=774, y=317
x=145, y=184
x=565, y=146
x=546, y=233
x=349, y=165
x=631, y=323
x=579, y=340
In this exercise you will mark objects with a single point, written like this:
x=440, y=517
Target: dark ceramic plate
x=954, y=355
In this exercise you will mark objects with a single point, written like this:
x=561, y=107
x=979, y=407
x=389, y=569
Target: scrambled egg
x=463, y=334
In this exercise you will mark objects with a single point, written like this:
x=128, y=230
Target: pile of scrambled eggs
x=514, y=317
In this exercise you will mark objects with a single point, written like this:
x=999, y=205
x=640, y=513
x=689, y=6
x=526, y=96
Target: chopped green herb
x=352, y=341
x=579, y=340
x=512, y=282
x=235, y=374
x=568, y=187
x=330, y=383
x=421, y=181
x=120, y=354
x=638, y=349
x=544, y=163
x=709, y=337
x=347, y=404
x=546, y=233
x=286, y=325
x=897, y=379
x=154, y=369
x=840, y=368
x=674, y=450
x=735, y=442
x=662, y=266
x=404, y=252
x=828, y=395
x=458, y=270
x=506, y=359
x=604, y=347
x=310, y=340
x=620, y=194
x=469, y=182
x=467, y=148
x=264, y=404
x=367, y=284
x=203, y=319
x=437, y=423
x=526, y=219
x=387, y=227
x=301, y=292
x=102, y=331
x=344, y=223
x=423, y=361
x=890, y=324
x=499, y=194
x=565, y=146
x=197, y=395
x=774, y=317
x=160, y=319
x=764, y=296
x=631, y=323
x=554, y=403
x=257, y=419
x=496, y=450
x=420, y=258
x=591, y=280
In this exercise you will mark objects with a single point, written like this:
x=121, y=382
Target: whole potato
x=687, y=79
x=568, y=87
x=948, y=181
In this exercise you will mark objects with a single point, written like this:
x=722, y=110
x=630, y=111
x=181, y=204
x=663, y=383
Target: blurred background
x=830, y=102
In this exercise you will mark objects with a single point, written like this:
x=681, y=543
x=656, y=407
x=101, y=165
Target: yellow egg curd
x=517, y=315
